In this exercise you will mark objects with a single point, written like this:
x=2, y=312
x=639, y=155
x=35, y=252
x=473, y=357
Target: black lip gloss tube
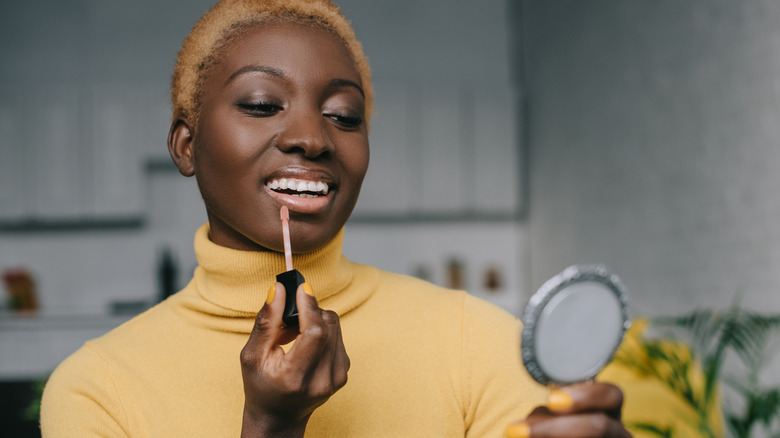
x=290, y=280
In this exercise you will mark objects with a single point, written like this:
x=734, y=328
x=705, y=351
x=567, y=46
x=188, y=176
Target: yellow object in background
x=658, y=378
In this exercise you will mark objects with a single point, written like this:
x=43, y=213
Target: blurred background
x=510, y=140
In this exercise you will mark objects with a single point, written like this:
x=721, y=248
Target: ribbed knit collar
x=236, y=282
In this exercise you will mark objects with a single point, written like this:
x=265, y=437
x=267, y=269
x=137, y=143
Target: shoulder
x=82, y=387
x=442, y=314
x=91, y=366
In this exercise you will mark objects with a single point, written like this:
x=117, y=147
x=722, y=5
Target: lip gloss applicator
x=291, y=278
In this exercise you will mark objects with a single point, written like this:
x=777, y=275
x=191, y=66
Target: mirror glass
x=573, y=324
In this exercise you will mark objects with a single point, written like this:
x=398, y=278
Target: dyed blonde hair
x=231, y=18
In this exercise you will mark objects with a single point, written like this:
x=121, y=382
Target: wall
x=654, y=147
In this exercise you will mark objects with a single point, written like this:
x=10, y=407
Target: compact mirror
x=573, y=324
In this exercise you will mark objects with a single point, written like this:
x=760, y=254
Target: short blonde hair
x=230, y=18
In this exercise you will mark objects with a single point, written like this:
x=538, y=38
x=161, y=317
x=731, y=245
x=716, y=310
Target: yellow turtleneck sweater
x=426, y=361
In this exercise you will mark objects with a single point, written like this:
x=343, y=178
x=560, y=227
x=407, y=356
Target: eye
x=347, y=121
x=260, y=109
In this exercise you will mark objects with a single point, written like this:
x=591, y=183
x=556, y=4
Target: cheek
x=225, y=152
x=357, y=162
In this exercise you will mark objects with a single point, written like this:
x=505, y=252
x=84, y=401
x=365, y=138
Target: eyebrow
x=255, y=68
x=275, y=72
x=336, y=83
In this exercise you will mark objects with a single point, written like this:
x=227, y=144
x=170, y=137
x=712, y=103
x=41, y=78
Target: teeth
x=299, y=186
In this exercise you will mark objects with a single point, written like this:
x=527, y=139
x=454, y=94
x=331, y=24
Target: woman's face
x=282, y=122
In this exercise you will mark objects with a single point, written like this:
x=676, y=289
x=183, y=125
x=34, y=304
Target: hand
x=579, y=410
x=282, y=389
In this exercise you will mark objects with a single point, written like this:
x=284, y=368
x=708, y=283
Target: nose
x=306, y=133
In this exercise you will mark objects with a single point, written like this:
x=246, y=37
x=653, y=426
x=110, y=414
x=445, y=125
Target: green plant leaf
x=653, y=429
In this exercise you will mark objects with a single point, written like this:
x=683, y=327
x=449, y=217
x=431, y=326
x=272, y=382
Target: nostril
x=306, y=137
x=308, y=147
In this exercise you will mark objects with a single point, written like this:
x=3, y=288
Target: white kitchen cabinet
x=13, y=187
x=114, y=152
x=69, y=152
x=439, y=152
x=442, y=150
x=71, y=156
x=496, y=167
x=388, y=188
x=56, y=155
x=156, y=120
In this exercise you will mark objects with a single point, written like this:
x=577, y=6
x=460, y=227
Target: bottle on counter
x=20, y=286
x=167, y=272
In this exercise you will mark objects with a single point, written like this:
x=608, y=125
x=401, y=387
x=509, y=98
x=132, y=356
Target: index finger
x=314, y=332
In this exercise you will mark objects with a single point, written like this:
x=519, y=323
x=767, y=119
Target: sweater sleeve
x=497, y=390
x=80, y=399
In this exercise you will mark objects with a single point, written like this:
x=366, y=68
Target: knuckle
x=347, y=364
x=330, y=317
x=599, y=424
x=317, y=332
x=340, y=380
x=262, y=323
x=322, y=389
x=248, y=357
x=615, y=394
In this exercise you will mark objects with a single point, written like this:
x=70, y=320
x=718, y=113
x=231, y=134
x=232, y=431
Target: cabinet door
x=390, y=184
x=54, y=123
x=440, y=152
x=496, y=145
x=115, y=149
x=156, y=118
x=14, y=186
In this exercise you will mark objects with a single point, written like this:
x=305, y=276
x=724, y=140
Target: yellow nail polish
x=271, y=294
x=559, y=400
x=517, y=430
x=307, y=288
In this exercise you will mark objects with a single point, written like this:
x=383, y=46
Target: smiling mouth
x=298, y=187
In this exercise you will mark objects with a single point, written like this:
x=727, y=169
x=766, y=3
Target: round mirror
x=573, y=324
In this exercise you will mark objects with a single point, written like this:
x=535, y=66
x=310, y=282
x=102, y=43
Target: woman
x=271, y=104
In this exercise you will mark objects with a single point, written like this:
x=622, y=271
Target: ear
x=180, y=145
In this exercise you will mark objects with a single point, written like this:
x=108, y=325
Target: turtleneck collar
x=236, y=282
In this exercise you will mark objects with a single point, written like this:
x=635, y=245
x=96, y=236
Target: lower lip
x=298, y=204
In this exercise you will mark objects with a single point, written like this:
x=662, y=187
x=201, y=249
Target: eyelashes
x=263, y=109
x=260, y=109
x=346, y=120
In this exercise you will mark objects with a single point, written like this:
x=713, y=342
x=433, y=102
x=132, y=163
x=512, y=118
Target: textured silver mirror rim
x=571, y=275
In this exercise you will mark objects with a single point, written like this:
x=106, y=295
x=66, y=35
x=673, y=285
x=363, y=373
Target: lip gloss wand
x=291, y=278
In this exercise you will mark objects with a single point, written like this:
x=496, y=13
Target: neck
x=239, y=280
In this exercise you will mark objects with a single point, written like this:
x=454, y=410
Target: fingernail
x=307, y=288
x=559, y=400
x=517, y=430
x=271, y=294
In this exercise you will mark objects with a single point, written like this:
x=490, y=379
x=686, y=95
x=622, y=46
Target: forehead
x=296, y=50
